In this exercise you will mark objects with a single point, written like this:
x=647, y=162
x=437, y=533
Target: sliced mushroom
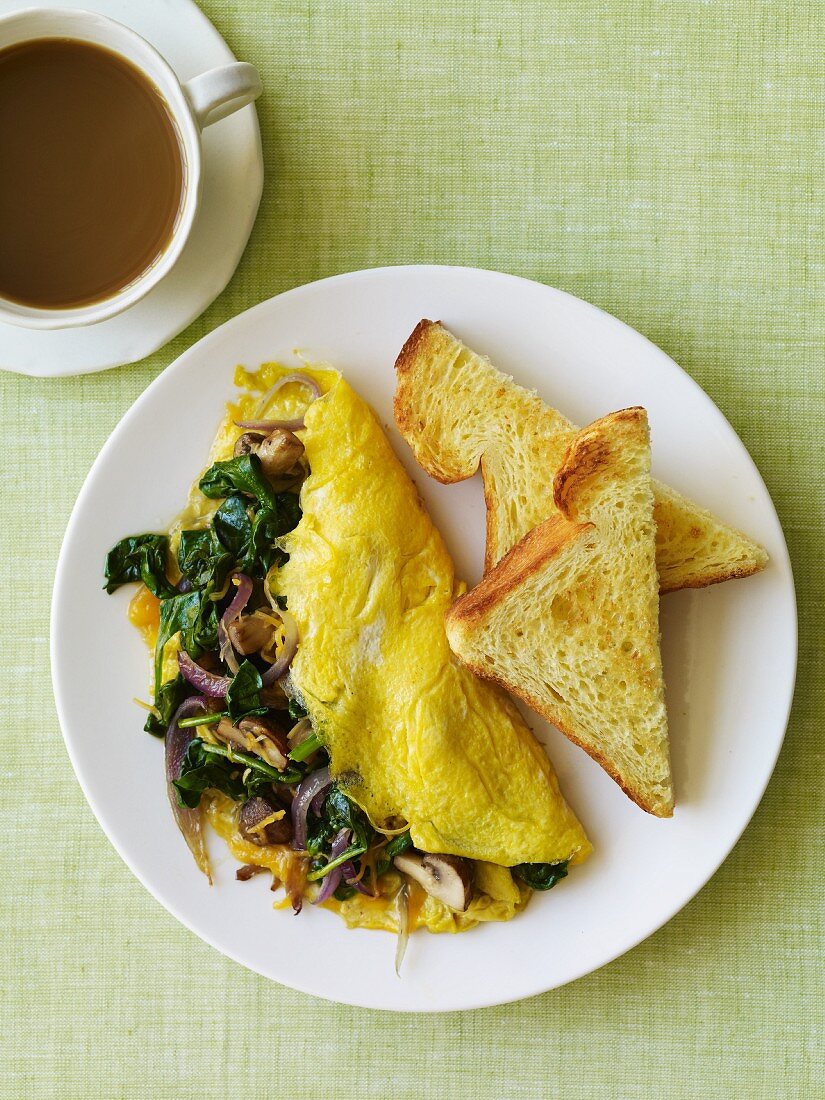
x=259, y=823
x=255, y=736
x=278, y=452
x=269, y=743
x=251, y=633
x=248, y=444
x=446, y=878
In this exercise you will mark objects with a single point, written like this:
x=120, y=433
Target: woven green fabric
x=664, y=161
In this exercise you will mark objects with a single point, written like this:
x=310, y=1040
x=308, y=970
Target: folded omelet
x=413, y=737
x=410, y=732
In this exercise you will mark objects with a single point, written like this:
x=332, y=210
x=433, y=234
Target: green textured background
x=664, y=161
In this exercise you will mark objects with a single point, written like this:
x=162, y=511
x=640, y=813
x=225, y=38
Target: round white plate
x=233, y=175
x=730, y=651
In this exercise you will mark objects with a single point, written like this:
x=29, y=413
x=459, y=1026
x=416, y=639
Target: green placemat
x=664, y=161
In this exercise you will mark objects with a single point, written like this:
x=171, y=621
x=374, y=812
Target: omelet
x=410, y=732
x=413, y=737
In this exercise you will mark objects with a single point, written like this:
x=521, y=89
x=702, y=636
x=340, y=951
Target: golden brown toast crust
x=428, y=341
x=536, y=705
x=425, y=334
x=590, y=453
x=528, y=557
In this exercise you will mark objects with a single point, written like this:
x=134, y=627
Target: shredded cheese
x=259, y=828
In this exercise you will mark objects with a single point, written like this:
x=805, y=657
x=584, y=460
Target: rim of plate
x=531, y=988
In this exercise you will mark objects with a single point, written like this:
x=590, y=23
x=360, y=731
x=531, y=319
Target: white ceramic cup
x=192, y=106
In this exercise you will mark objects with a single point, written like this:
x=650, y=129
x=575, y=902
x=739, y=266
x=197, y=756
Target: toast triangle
x=569, y=619
x=456, y=411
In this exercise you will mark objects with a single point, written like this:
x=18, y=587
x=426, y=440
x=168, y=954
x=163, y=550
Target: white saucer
x=233, y=175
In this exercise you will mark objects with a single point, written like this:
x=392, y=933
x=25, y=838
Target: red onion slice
x=270, y=425
x=332, y=881
x=214, y=686
x=314, y=784
x=288, y=650
x=317, y=804
x=348, y=873
x=257, y=424
x=188, y=821
x=239, y=602
x=296, y=376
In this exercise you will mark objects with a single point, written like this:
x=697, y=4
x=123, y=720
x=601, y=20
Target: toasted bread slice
x=457, y=411
x=569, y=619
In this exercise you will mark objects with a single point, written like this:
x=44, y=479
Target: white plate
x=233, y=174
x=730, y=651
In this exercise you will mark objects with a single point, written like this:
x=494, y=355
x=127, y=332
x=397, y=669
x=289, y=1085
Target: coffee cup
x=191, y=107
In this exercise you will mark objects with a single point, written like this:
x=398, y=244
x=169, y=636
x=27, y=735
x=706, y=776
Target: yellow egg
x=410, y=731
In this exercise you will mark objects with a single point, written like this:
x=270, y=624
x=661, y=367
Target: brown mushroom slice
x=446, y=878
x=251, y=633
x=259, y=823
x=270, y=744
x=279, y=452
x=247, y=444
x=255, y=736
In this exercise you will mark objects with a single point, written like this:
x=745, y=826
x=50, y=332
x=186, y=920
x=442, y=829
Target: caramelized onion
x=270, y=425
x=257, y=424
x=297, y=376
x=214, y=686
x=188, y=821
x=288, y=650
x=314, y=784
x=403, y=926
x=354, y=878
x=239, y=602
x=333, y=880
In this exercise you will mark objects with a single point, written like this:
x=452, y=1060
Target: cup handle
x=220, y=92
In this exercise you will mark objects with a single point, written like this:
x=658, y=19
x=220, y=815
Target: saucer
x=233, y=175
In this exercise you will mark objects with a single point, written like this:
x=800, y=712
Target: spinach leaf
x=239, y=475
x=541, y=876
x=233, y=528
x=195, y=615
x=269, y=526
x=289, y=511
x=201, y=558
x=182, y=613
x=296, y=711
x=203, y=635
x=256, y=771
x=344, y=814
x=201, y=770
x=139, y=558
x=243, y=697
x=397, y=845
x=167, y=700
x=338, y=813
x=219, y=767
x=263, y=553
